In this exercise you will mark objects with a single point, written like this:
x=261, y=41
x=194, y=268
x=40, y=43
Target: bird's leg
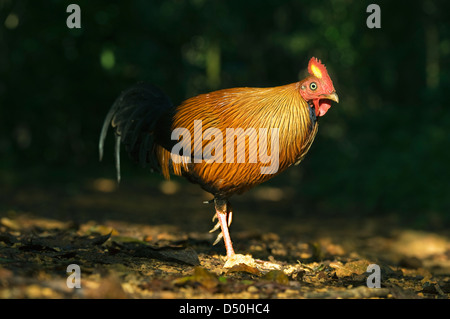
x=224, y=215
x=216, y=226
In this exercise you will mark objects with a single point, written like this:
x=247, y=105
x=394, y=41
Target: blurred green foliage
x=384, y=148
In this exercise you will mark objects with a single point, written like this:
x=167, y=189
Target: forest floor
x=146, y=241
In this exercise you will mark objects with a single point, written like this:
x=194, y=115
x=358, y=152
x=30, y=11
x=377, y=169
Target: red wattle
x=324, y=106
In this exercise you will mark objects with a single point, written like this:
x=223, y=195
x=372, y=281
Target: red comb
x=317, y=69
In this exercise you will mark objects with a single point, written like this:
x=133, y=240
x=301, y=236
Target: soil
x=144, y=241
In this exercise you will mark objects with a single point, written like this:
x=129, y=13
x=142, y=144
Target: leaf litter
x=122, y=259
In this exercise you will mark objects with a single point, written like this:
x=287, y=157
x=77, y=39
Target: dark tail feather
x=117, y=157
x=105, y=127
x=135, y=116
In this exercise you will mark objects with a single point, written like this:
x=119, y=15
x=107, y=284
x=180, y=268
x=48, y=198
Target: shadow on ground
x=144, y=241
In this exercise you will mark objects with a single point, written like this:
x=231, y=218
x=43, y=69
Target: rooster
x=144, y=121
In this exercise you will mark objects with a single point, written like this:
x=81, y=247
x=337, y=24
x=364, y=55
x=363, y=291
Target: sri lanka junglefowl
x=226, y=141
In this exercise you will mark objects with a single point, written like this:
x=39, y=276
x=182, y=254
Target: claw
x=219, y=237
x=230, y=217
x=216, y=227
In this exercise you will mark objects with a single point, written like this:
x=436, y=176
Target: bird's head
x=318, y=88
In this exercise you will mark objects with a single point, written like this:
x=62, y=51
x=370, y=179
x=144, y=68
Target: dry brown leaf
x=353, y=267
x=244, y=268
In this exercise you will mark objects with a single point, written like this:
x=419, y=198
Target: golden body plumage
x=279, y=107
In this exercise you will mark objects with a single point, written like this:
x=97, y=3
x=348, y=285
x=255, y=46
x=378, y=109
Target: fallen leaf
x=167, y=253
x=201, y=277
x=244, y=268
x=242, y=263
x=353, y=267
x=188, y=256
x=103, y=230
x=11, y=224
x=278, y=276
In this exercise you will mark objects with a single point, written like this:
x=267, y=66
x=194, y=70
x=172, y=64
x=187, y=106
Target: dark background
x=384, y=149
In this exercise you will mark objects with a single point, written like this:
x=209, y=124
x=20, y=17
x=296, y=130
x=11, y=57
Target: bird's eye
x=313, y=86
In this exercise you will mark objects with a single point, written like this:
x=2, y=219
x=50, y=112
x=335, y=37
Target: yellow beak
x=333, y=97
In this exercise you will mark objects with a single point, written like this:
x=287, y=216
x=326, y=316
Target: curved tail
x=138, y=117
